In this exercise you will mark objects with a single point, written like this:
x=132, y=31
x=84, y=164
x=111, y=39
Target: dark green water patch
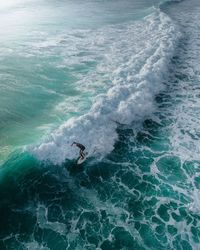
x=170, y=166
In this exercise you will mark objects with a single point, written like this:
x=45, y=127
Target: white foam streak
x=136, y=62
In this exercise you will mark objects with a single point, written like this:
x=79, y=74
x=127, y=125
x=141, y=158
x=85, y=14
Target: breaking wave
x=137, y=56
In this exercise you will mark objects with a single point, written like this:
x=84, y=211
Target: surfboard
x=80, y=160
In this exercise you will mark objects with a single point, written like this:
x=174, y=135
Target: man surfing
x=82, y=148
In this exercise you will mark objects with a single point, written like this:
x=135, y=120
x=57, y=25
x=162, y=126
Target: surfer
x=82, y=148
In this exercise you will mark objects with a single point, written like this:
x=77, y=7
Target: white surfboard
x=80, y=160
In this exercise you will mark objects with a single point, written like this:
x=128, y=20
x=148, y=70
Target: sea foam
x=136, y=61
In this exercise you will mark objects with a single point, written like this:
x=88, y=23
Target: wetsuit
x=82, y=148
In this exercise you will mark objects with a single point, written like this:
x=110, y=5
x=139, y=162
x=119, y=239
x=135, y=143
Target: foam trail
x=140, y=58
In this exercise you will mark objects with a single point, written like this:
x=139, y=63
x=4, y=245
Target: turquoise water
x=121, y=77
x=43, y=60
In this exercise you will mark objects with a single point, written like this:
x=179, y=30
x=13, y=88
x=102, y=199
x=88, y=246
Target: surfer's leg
x=82, y=154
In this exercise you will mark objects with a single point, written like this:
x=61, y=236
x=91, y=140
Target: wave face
x=137, y=56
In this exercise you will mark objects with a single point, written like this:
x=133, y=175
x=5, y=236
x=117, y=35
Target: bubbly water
x=122, y=78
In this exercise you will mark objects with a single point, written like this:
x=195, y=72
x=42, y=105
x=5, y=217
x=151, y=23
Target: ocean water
x=122, y=78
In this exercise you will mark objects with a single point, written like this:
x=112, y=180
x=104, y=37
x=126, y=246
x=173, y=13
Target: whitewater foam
x=136, y=62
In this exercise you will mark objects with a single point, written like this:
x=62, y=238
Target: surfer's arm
x=73, y=143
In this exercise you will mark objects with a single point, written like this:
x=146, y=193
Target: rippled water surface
x=123, y=78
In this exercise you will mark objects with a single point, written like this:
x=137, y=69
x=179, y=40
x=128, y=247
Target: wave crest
x=137, y=62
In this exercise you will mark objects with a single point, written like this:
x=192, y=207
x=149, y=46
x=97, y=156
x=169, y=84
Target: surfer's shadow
x=75, y=169
x=83, y=174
